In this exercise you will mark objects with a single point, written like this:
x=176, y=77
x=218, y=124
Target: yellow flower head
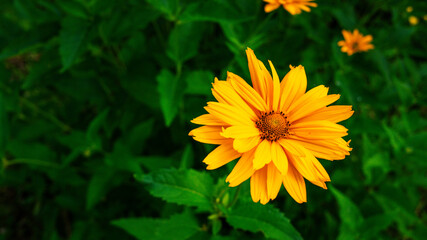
x=292, y=6
x=413, y=20
x=276, y=128
x=409, y=9
x=355, y=42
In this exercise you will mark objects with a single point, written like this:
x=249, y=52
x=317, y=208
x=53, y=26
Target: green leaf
x=92, y=134
x=376, y=166
x=372, y=226
x=187, y=187
x=262, y=218
x=213, y=11
x=396, y=140
x=138, y=135
x=4, y=125
x=351, y=218
x=184, y=41
x=187, y=158
x=73, y=37
x=98, y=186
x=168, y=7
x=155, y=162
x=199, y=82
x=74, y=8
x=169, y=88
x=181, y=226
x=345, y=15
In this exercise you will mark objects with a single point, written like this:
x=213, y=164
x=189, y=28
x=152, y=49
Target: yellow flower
x=292, y=6
x=277, y=129
x=413, y=20
x=355, y=42
x=409, y=9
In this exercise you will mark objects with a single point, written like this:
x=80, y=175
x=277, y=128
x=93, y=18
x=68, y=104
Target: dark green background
x=96, y=98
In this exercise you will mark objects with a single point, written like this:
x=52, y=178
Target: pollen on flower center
x=273, y=125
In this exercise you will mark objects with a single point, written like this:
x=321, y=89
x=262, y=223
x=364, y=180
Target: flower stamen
x=273, y=125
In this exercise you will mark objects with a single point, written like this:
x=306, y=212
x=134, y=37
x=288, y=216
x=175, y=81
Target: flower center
x=273, y=126
x=355, y=45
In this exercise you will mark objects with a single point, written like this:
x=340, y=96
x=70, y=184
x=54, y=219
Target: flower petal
x=259, y=186
x=332, y=113
x=208, y=134
x=313, y=94
x=225, y=91
x=242, y=170
x=245, y=144
x=295, y=185
x=318, y=130
x=229, y=114
x=274, y=181
x=256, y=73
x=271, y=7
x=279, y=158
x=249, y=94
x=294, y=87
x=262, y=154
x=311, y=106
x=276, y=88
x=302, y=164
x=239, y=131
x=221, y=155
x=329, y=149
x=208, y=119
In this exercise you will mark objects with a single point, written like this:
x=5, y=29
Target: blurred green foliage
x=96, y=98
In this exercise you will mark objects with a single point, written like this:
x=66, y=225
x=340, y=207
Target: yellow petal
x=276, y=88
x=220, y=156
x=271, y=7
x=239, y=131
x=225, y=90
x=274, y=181
x=293, y=88
x=279, y=158
x=322, y=175
x=302, y=164
x=318, y=130
x=310, y=96
x=229, y=114
x=208, y=134
x=256, y=73
x=329, y=149
x=332, y=113
x=287, y=145
x=295, y=185
x=249, y=94
x=259, y=186
x=242, y=170
x=262, y=154
x=312, y=106
x=208, y=119
x=245, y=144
x=267, y=84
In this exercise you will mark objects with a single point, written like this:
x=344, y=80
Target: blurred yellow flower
x=292, y=6
x=355, y=42
x=409, y=9
x=276, y=128
x=425, y=17
x=413, y=20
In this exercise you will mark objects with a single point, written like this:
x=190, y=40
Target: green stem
x=7, y=163
x=235, y=198
x=46, y=115
x=36, y=109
